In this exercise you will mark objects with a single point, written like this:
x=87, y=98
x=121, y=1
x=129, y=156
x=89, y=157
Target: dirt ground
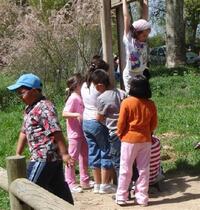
x=179, y=192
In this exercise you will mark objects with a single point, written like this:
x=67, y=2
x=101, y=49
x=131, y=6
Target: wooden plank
x=116, y=3
x=37, y=197
x=3, y=179
x=106, y=35
x=121, y=48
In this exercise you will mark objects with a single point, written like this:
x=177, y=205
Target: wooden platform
x=116, y=3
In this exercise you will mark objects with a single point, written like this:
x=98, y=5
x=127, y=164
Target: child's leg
x=90, y=128
x=97, y=137
x=49, y=175
x=115, y=147
x=59, y=186
x=128, y=155
x=142, y=183
x=83, y=163
x=97, y=175
x=105, y=175
x=73, y=150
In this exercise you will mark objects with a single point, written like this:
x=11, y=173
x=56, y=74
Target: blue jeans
x=115, y=148
x=97, y=137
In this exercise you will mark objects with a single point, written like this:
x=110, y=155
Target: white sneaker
x=96, y=188
x=107, y=189
x=91, y=183
x=76, y=189
x=87, y=186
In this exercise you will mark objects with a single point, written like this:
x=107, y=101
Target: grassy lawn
x=176, y=94
x=177, y=97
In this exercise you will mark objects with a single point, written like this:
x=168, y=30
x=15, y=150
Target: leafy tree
x=192, y=13
x=47, y=5
x=156, y=40
x=175, y=33
x=157, y=10
x=191, y=16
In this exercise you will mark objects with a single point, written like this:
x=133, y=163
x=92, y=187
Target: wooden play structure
x=106, y=33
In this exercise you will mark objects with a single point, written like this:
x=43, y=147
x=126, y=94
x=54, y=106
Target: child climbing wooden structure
x=106, y=33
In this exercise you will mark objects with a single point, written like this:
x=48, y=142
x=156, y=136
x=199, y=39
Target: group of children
x=107, y=128
x=118, y=129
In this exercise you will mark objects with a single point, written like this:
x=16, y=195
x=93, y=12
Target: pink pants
x=78, y=149
x=129, y=153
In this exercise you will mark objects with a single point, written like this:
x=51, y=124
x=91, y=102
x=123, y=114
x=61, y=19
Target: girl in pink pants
x=137, y=120
x=78, y=148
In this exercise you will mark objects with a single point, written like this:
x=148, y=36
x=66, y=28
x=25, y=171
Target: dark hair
x=140, y=87
x=146, y=73
x=29, y=88
x=72, y=83
x=134, y=33
x=96, y=63
x=99, y=76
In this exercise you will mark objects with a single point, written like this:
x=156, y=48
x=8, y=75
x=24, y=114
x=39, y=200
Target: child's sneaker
x=107, y=189
x=121, y=202
x=87, y=186
x=96, y=188
x=141, y=204
x=76, y=189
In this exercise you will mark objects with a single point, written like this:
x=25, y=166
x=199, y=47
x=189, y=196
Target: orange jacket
x=137, y=120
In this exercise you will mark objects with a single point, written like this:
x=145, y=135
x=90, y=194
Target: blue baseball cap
x=27, y=80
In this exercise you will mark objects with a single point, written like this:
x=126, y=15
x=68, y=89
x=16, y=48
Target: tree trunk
x=175, y=33
x=194, y=32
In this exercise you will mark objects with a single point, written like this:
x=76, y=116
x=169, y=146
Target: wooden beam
x=106, y=36
x=121, y=48
x=37, y=197
x=116, y=3
x=3, y=179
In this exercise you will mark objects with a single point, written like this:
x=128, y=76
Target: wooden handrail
x=3, y=179
x=37, y=197
x=25, y=194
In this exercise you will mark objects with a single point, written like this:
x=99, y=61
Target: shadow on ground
x=176, y=183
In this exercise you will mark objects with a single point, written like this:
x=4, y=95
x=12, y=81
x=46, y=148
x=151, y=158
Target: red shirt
x=40, y=121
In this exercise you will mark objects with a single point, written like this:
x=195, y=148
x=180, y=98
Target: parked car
x=157, y=55
x=192, y=58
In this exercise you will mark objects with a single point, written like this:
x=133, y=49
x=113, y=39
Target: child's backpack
x=156, y=172
x=155, y=166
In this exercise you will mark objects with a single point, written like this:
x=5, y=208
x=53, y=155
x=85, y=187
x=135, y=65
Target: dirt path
x=178, y=193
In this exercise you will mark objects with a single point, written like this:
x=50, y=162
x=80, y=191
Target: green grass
x=176, y=94
x=4, y=200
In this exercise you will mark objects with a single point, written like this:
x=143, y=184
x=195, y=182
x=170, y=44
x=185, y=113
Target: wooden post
x=16, y=168
x=121, y=48
x=106, y=35
x=140, y=8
